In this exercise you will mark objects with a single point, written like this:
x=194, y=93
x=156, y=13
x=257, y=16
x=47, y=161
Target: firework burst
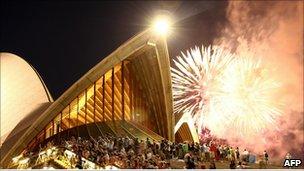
x=197, y=78
x=222, y=91
x=248, y=99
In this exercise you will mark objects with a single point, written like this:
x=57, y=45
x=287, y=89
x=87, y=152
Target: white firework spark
x=249, y=97
x=196, y=79
x=222, y=91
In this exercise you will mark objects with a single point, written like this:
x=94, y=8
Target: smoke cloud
x=272, y=31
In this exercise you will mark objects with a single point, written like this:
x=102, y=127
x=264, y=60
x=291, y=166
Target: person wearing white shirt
x=245, y=155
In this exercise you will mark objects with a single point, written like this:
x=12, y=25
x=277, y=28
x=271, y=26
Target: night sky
x=64, y=40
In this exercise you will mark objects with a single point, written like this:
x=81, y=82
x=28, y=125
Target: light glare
x=161, y=26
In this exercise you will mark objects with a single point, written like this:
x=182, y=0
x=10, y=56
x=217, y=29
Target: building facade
x=130, y=86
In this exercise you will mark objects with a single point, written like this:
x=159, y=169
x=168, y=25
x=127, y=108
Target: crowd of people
x=132, y=153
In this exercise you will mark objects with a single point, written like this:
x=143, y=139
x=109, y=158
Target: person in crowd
x=133, y=153
x=232, y=164
x=203, y=166
x=237, y=153
x=245, y=155
x=148, y=142
x=217, y=154
x=265, y=156
x=190, y=163
x=213, y=150
x=228, y=153
x=207, y=152
x=212, y=165
x=232, y=153
x=239, y=166
x=288, y=156
x=185, y=147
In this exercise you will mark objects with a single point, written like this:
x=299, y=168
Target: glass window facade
x=116, y=95
x=99, y=100
x=57, y=124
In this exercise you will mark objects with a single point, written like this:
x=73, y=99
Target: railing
x=146, y=131
x=117, y=127
x=126, y=129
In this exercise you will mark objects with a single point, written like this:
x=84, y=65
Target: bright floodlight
x=162, y=25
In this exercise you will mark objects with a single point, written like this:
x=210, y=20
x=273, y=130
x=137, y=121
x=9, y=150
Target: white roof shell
x=22, y=92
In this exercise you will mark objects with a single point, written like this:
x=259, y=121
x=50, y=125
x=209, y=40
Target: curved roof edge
x=136, y=44
x=49, y=96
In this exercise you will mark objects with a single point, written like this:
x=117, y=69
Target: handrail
x=115, y=128
x=98, y=129
x=146, y=130
x=125, y=129
x=142, y=131
x=106, y=124
x=111, y=128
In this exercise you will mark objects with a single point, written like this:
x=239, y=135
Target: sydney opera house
x=128, y=93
